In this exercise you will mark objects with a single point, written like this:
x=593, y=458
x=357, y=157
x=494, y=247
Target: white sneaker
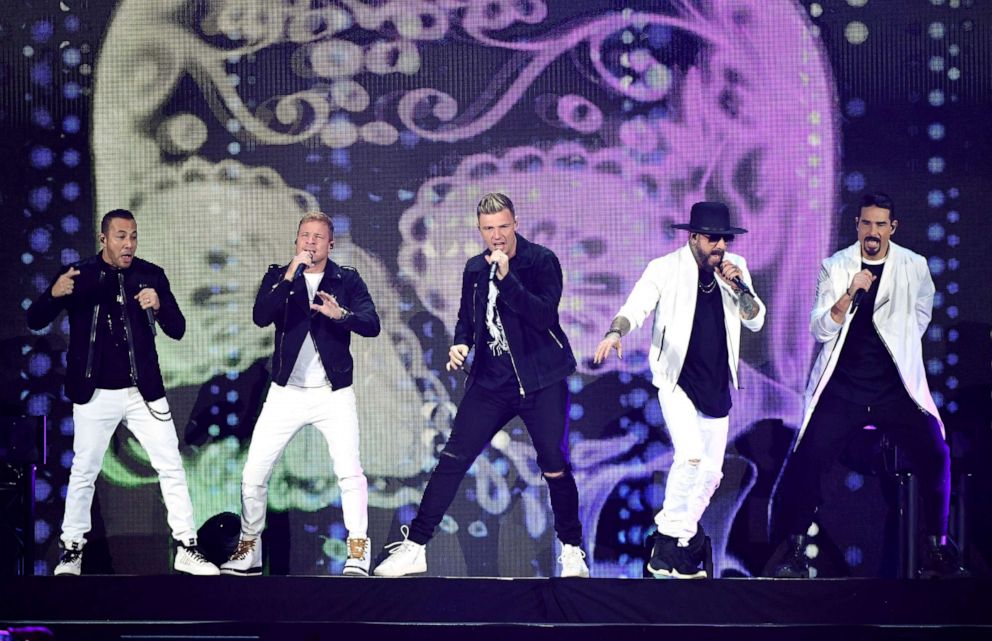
x=71, y=560
x=246, y=559
x=405, y=557
x=190, y=561
x=573, y=562
x=359, y=557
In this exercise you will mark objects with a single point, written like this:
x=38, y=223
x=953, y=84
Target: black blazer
x=528, y=305
x=287, y=304
x=83, y=308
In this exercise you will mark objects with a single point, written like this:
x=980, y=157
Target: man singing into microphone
x=113, y=301
x=315, y=304
x=509, y=313
x=873, y=304
x=701, y=294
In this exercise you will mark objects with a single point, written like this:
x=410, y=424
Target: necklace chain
x=706, y=289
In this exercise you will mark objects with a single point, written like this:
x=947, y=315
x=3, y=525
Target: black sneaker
x=941, y=561
x=794, y=564
x=664, y=552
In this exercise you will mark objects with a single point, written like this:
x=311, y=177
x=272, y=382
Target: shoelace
x=244, y=547
x=195, y=555
x=573, y=553
x=396, y=546
x=71, y=556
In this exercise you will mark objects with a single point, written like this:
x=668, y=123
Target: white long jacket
x=902, y=312
x=668, y=287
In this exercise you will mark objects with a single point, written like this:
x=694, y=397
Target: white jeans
x=699, y=442
x=95, y=423
x=286, y=411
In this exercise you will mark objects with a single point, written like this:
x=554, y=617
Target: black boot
x=663, y=555
x=689, y=560
x=794, y=565
x=941, y=560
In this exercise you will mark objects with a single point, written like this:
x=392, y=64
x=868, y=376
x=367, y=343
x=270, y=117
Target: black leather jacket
x=83, y=307
x=528, y=306
x=288, y=306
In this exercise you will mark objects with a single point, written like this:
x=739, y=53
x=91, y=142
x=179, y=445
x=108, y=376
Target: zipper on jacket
x=96, y=319
x=285, y=327
x=551, y=331
x=89, y=355
x=515, y=372
x=127, y=330
x=661, y=348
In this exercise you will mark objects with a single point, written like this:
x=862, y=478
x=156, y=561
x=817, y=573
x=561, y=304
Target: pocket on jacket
x=661, y=343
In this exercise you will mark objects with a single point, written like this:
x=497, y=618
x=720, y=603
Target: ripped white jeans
x=699, y=442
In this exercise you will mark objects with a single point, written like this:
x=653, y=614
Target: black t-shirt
x=112, y=363
x=705, y=376
x=865, y=373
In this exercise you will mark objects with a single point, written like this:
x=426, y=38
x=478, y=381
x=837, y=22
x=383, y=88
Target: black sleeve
x=271, y=296
x=169, y=316
x=46, y=308
x=363, y=319
x=538, y=305
x=465, y=328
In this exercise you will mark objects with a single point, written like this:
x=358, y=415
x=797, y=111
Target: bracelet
x=613, y=331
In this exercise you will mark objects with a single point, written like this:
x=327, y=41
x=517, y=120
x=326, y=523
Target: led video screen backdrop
x=220, y=122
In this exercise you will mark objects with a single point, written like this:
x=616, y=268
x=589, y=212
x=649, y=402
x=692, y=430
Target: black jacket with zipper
x=528, y=306
x=287, y=304
x=83, y=308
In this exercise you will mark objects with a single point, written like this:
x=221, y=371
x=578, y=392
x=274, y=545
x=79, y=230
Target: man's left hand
x=329, y=306
x=502, y=263
x=148, y=298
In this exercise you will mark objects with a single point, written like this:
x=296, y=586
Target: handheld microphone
x=738, y=282
x=302, y=267
x=149, y=313
x=858, y=295
x=492, y=270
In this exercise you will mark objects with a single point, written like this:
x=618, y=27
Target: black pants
x=482, y=413
x=833, y=424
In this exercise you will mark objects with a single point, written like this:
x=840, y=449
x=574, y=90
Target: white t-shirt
x=308, y=371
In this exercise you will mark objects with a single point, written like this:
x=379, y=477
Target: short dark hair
x=493, y=204
x=114, y=213
x=880, y=200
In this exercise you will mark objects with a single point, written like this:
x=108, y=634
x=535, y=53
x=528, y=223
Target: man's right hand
x=612, y=341
x=63, y=286
x=303, y=258
x=456, y=357
x=862, y=280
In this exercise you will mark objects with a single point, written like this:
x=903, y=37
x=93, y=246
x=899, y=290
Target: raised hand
x=65, y=283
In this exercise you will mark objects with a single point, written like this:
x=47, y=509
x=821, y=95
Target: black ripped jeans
x=482, y=413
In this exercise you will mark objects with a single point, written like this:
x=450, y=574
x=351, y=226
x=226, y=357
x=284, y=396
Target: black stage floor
x=111, y=608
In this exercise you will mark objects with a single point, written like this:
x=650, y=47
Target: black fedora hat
x=709, y=218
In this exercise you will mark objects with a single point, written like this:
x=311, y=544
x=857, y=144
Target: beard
x=872, y=250
x=706, y=260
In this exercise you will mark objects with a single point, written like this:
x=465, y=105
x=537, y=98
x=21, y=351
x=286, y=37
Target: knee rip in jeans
x=554, y=475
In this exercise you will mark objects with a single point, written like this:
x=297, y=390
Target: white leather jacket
x=902, y=312
x=669, y=287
